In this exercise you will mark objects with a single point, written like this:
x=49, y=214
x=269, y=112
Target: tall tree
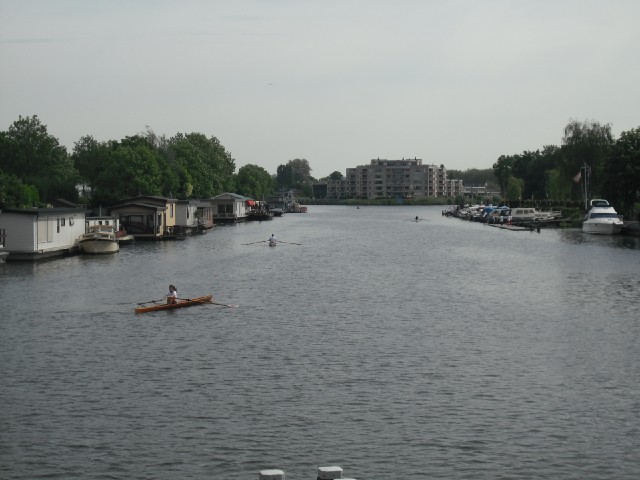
x=301, y=169
x=621, y=182
x=285, y=176
x=133, y=168
x=203, y=162
x=587, y=144
x=254, y=181
x=502, y=170
x=90, y=158
x=37, y=158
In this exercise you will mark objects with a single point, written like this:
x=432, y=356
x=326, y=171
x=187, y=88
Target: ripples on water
x=396, y=349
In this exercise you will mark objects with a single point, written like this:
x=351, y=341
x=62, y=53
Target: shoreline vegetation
x=35, y=170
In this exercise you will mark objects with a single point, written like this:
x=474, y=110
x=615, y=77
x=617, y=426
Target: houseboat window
x=62, y=220
x=71, y=221
x=58, y=227
x=171, y=211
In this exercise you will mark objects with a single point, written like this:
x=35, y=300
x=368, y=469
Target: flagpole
x=584, y=167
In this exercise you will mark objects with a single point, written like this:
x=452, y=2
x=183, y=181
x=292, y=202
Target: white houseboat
x=187, y=220
x=230, y=207
x=36, y=233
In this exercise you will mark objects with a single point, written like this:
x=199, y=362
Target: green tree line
x=35, y=169
x=589, y=156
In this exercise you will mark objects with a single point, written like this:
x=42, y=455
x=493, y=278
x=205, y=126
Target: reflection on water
x=576, y=236
x=432, y=349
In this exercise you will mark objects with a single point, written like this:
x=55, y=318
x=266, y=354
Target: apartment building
x=455, y=187
x=383, y=178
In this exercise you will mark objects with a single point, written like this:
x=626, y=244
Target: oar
x=228, y=305
x=253, y=243
x=152, y=301
x=291, y=243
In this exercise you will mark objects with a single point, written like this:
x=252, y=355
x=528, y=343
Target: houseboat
x=147, y=217
x=230, y=207
x=187, y=220
x=38, y=233
x=205, y=213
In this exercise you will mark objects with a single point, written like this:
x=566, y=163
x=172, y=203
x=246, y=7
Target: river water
x=437, y=349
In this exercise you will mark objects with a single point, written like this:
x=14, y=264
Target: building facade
x=383, y=178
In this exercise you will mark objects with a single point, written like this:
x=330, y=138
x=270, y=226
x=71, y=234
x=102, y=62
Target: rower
x=172, y=296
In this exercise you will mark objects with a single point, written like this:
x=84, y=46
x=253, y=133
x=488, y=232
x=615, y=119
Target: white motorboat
x=99, y=239
x=602, y=218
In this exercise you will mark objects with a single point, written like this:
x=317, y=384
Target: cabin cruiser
x=533, y=214
x=602, y=218
x=99, y=239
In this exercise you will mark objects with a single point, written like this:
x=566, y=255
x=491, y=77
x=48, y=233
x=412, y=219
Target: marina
x=389, y=347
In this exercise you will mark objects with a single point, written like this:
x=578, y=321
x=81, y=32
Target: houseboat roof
x=147, y=206
x=41, y=211
x=149, y=198
x=230, y=196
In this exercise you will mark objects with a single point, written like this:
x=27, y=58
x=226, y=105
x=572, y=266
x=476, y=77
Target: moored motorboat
x=124, y=238
x=182, y=303
x=99, y=239
x=602, y=218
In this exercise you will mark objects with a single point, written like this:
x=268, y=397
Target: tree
x=621, y=175
x=294, y=174
x=254, y=181
x=557, y=186
x=335, y=176
x=502, y=171
x=301, y=169
x=586, y=143
x=132, y=168
x=89, y=158
x=201, y=162
x=515, y=187
x=37, y=158
x=15, y=194
x=474, y=176
x=540, y=163
x=284, y=176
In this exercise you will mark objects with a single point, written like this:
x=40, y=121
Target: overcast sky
x=337, y=82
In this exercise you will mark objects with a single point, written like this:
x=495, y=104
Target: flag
x=578, y=177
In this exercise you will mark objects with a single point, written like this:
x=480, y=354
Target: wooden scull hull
x=180, y=304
